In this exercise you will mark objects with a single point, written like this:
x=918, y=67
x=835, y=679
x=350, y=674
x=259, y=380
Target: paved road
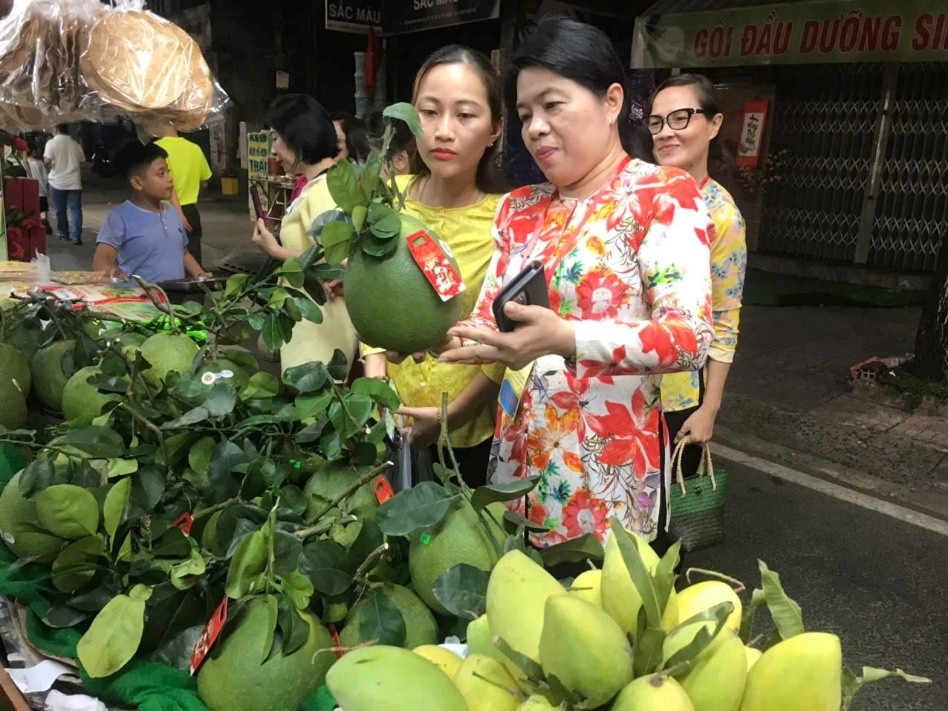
x=877, y=582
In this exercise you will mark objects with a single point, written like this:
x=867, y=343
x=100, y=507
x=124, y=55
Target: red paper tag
x=383, y=489
x=184, y=522
x=336, y=642
x=430, y=256
x=209, y=635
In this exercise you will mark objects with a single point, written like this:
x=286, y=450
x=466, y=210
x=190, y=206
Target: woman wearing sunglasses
x=684, y=122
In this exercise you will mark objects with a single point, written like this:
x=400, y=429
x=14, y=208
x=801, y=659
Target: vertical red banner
x=753, y=122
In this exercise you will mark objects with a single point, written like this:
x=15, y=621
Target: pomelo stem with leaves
x=351, y=489
x=305, y=533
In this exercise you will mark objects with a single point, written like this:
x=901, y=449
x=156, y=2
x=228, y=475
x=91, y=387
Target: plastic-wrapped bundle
x=65, y=60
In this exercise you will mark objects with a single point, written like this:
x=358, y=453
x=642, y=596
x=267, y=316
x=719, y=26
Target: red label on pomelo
x=185, y=521
x=209, y=635
x=336, y=642
x=383, y=489
x=429, y=255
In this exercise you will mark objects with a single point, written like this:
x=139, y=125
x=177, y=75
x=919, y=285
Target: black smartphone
x=529, y=288
x=257, y=205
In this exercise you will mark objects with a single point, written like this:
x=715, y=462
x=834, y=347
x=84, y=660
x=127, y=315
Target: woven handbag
x=696, y=505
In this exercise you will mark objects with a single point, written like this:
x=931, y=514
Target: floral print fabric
x=629, y=266
x=728, y=266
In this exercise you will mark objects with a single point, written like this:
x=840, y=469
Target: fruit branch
x=150, y=425
x=371, y=560
x=305, y=533
x=352, y=488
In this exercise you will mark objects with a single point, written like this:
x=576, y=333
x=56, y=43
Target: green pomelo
x=49, y=378
x=329, y=483
x=131, y=343
x=13, y=412
x=238, y=676
x=585, y=649
x=715, y=681
x=588, y=586
x=420, y=625
x=13, y=364
x=385, y=677
x=516, y=600
x=82, y=401
x=486, y=684
x=655, y=692
x=461, y=538
x=390, y=301
x=620, y=596
x=17, y=522
x=803, y=672
x=166, y=353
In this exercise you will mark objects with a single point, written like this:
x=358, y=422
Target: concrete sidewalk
x=788, y=397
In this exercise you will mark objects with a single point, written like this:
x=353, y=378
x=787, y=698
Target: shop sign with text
x=416, y=15
x=816, y=32
x=354, y=15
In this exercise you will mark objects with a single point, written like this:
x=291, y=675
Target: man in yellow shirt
x=190, y=172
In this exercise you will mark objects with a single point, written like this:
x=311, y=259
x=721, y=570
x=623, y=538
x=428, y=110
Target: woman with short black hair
x=624, y=246
x=304, y=143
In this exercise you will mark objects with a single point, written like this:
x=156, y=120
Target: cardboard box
x=10, y=697
x=22, y=193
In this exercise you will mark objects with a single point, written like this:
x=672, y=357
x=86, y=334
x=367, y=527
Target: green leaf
x=336, y=240
x=529, y=667
x=121, y=467
x=383, y=221
x=297, y=588
x=199, y=456
x=338, y=366
x=306, y=378
x=95, y=442
x=462, y=589
x=647, y=649
x=235, y=283
x=222, y=483
x=518, y=520
x=364, y=454
x=287, y=550
x=68, y=511
x=38, y=475
x=295, y=629
x=311, y=405
x=575, y=550
x=325, y=563
x=77, y=563
x=360, y=408
x=368, y=181
x=787, y=615
x=341, y=181
x=189, y=572
x=309, y=311
x=852, y=684
x=188, y=419
x=248, y=565
x=422, y=506
x=382, y=622
x=507, y=491
x=116, y=505
x=261, y=386
x=220, y=400
x=717, y=614
x=113, y=638
x=311, y=433
x=379, y=391
x=378, y=246
x=404, y=111
x=241, y=357
x=665, y=575
x=750, y=613
x=638, y=572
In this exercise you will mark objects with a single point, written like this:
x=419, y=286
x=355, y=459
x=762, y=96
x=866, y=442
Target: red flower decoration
x=584, y=514
x=600, y=293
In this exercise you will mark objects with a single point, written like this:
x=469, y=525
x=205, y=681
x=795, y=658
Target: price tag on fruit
x=431, y=256
x=209, y=635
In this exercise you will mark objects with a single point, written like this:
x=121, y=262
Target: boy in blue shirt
x=143, y=235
